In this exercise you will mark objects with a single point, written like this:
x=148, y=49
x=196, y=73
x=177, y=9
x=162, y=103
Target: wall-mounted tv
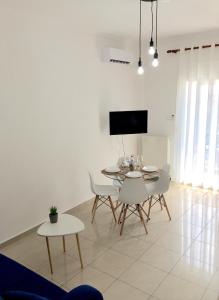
x=128, y=122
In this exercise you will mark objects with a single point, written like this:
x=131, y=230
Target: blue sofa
x=15, y=278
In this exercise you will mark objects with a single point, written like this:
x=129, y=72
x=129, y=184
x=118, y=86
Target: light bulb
x=140, y=67
x=155, y=62
x=151, y=51
x=140, y=70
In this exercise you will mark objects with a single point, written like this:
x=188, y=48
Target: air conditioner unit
x=114, y=55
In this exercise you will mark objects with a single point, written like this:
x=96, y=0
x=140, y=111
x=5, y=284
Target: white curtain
x=196, y=159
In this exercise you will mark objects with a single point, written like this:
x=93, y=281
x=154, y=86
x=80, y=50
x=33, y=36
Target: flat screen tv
x=128, y=122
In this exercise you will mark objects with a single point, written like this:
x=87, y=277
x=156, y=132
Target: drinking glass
x=138, y=162
x=141, y=161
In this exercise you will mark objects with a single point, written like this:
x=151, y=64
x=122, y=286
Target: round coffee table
x=66, y=225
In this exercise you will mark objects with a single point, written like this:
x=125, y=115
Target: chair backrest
x=163, y=183
x=166, y=168
x=120, y=161
x=92, y=184
x=133, y=191
x=117, y=183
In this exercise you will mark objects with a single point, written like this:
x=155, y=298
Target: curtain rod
x=175, y=51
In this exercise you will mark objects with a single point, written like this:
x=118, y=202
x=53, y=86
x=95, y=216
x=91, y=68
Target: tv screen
x=128, y=122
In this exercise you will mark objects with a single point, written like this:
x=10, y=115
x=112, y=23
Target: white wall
x=55, y=96
x=160, y=87
x=160, y=84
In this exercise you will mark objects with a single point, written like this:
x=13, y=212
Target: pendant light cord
x=140, y=33
x=156, y=23
x=152, y=19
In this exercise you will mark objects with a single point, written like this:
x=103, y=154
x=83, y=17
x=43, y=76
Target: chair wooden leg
x=149, y=207
x=144, y=212
x=141, y=217
x=121, y=212
x=112, y=207
x=137, y=208
x=123, y=220
x=95, y=208
x=148, y=199
x=118, y=204
x=160, y=201
x=165, y=205
x=94, y=204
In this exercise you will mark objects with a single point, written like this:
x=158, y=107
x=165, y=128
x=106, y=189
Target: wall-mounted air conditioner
x=114, y=55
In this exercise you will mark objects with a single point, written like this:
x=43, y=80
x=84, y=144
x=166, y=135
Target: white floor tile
x=143, y=277
x=132, y=246
x=174, y=242
x=112, y=263
x=121, y=290
x=203, y=252
x=173, y=288
x=194, y=271
x=90, y=276
x=210, y=295
x=160, y=258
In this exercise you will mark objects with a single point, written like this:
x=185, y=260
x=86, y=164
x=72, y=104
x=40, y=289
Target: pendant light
x=151, y=50
x=155, y=62
x=153, y=47
x=140, y=66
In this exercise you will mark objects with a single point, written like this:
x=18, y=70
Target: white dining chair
x=116, y=182
x=120, y=161
x=103, y=195
x=132, y=194
x=166, y=168
x=156, y=191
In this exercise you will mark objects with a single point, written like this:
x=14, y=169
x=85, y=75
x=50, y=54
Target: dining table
x=124, y=172
x=119, y=174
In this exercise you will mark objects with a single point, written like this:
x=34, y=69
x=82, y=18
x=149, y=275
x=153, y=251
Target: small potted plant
x=53, y=216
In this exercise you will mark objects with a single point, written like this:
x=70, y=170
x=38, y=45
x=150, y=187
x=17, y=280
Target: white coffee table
x=66, y=225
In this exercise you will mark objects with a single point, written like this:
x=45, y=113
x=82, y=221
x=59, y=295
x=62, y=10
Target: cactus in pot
x=53, y=216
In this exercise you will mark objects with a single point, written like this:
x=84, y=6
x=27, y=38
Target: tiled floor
x=176, y=260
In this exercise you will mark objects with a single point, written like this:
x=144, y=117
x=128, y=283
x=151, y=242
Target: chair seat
x=106, y=190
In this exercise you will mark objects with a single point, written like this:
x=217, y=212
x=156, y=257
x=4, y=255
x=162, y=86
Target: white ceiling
x=121, y=17
x=176, y=17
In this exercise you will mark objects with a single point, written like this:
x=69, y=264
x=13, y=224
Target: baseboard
x=32, y=229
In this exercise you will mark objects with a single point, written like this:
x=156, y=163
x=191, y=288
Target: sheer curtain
x=196, y=156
